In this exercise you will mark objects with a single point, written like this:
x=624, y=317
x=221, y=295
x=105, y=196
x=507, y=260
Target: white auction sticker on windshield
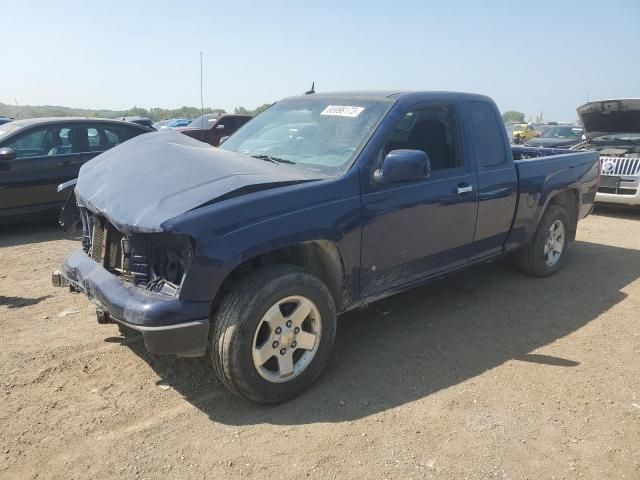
x=342, y=111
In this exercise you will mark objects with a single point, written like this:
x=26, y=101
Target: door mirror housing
x=223, y=139
x=403, y=166
x=7, y=153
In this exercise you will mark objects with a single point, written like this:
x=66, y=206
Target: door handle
x=464, y=188
x=67, y=164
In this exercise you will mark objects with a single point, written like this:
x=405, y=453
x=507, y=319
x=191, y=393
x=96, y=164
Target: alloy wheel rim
x=554, y=243
x=286, y=339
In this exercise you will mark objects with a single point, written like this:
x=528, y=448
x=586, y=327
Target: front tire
x=273, y=333
x=546, y=253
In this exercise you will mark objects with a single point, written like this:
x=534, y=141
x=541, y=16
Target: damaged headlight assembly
x=156, y=261
x=170, y=256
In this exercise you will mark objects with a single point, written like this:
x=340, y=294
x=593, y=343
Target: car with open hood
x=612, y=128
x=322, y=203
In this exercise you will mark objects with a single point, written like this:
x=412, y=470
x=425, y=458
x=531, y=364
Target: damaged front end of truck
x=132, y=262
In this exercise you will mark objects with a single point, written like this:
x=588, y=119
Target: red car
x=211, y=128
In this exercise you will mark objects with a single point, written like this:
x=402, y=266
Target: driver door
x=416, y=229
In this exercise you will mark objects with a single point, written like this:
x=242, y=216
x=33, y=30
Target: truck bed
x=542, y=173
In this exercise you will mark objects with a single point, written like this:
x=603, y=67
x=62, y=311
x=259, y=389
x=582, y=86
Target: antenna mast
x=313, y=89
x=201, y=99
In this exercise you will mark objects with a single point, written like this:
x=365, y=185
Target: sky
x=531, y=56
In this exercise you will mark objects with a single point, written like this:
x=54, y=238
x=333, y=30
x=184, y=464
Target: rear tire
x=545, y=255
x=258, y=326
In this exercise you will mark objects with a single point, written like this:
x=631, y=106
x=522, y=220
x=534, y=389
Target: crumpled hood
x=151, y=178
x=610, y=116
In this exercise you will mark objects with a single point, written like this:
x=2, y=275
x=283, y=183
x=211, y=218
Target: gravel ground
x=486, y=374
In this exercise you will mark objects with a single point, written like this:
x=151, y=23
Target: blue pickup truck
x=323, y=203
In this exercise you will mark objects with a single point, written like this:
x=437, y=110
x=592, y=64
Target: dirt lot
x=487, y=374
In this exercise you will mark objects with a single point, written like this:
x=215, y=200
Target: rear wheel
x=273, y=333
x=545, y=255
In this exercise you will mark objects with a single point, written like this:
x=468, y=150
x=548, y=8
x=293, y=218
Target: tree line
x=155, y=114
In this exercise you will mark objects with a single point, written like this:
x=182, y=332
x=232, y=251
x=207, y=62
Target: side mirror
x=223, y=139
x=403, y=166
x=7, y=153
x=219, y=127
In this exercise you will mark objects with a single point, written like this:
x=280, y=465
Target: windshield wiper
x=271, y=159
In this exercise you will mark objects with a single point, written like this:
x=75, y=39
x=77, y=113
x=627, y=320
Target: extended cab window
x=487, y=134
x=433, y=130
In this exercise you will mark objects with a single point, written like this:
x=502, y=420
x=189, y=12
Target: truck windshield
x=314, y=133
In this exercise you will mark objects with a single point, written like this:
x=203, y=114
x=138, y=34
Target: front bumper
x=631, y=196
x=169, y=325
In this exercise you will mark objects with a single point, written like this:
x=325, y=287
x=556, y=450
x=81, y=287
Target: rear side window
x=116, y=134
x=487, y=132
x=104, y=137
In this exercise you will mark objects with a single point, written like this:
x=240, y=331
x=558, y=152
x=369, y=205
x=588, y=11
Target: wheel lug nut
x=289, y=323
x=296, y=330
x=275, y=344
x=283, y=351
x=293, y=345
x=278, y=330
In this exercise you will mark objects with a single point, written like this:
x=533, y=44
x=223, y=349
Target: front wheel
x=273, y=333
x=546, y=253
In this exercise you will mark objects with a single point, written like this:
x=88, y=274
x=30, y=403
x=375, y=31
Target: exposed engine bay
x=156, y=261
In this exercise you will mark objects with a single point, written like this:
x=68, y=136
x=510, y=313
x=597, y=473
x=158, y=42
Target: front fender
x=233, y=232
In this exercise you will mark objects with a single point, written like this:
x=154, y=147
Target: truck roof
x=397, y=94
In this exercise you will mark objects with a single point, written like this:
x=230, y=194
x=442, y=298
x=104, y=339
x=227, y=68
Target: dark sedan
x=557, y=136
x=37, y=155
